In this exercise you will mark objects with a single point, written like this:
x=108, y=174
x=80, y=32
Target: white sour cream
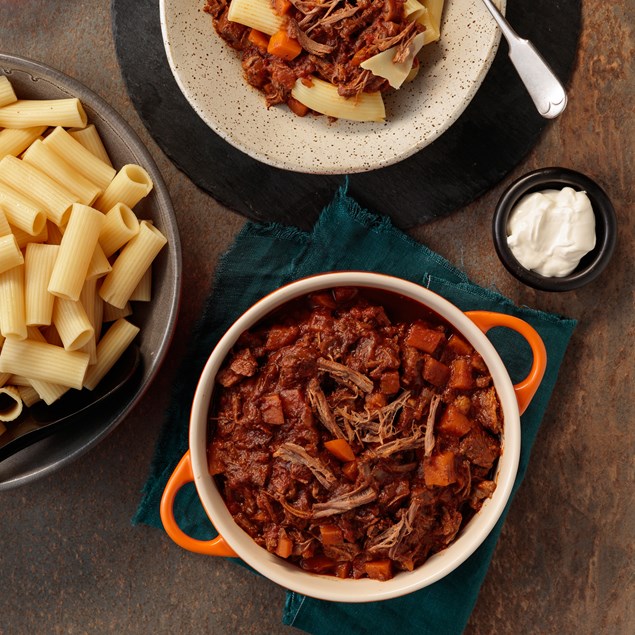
x=550, y=231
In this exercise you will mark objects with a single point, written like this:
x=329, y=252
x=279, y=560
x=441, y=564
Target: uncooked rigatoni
x=39, y=260
x=133, y=261
x=40, y=360
x=76, y=251
x=121, y=224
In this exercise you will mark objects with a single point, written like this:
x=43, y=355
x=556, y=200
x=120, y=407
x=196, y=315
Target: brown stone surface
x=70, y=561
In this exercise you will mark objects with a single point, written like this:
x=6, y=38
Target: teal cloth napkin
x=348, y=237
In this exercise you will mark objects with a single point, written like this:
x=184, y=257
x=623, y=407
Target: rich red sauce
x=355, y=432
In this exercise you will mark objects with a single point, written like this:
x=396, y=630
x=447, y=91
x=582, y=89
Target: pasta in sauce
x=333, y=57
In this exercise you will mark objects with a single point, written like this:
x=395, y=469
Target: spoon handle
x=543, y=86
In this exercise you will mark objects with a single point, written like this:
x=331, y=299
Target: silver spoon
x=543, y=86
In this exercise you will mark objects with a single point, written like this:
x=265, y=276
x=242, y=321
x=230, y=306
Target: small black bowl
x=593, y=263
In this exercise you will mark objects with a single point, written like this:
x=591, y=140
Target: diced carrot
x=340, y=449
x=285, y=547
x=281, y=7
x=438, y=469
x=461, y=374
x=435, y=371
x=424, y=338
x=454, y=422
x=389, y=382
x=297, y=107
x=343, y=569
x=379, y=569
x=360, y=56
x=283, y=46
x=318, y=564
x=350, y=470
x=271, y=409
x=458, y=345
x=259, y=39
x=330, y=534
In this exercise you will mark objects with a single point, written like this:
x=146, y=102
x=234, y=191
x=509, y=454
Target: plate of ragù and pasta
x=329, y=86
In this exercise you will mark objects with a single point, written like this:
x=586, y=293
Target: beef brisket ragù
x=352, y=443
x=335, y=57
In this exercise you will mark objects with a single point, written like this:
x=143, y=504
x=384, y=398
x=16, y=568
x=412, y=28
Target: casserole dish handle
x=525, y=389
x=181, y=476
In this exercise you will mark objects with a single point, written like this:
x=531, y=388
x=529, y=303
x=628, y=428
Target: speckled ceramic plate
x=210, y=76
x=157, y=319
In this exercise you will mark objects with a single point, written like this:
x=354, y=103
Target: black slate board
x=491, y=137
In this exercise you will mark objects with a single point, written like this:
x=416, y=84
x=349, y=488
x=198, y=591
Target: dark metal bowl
x=33, y=80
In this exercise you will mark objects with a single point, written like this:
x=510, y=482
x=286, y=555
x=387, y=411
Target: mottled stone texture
x=71, y=562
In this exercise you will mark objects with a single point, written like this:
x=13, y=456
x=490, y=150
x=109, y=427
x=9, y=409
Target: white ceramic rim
x=329, y=587
x=417, y=114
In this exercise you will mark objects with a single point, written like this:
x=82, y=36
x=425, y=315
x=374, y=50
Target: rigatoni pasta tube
x=90, y=139
x=72, y=323
x=383, y=65
x=28, y=180
x=55, y=234
x=413, y=9
x=10, y=254
x=7, y=94
x=109, y=349
x=431, y=19
x=4, y=377
x=82, y=160
x=120, y=225
x=257, y=14
x=17, y=380
x=40, y=360
x=29, y=395
x=99, y=265
x=130, y=185
x=143, y=291
x=14, y=141
x=94, y=307
x=49, y=162
x=5, y=228
x=131, y=264
x=23, y=238
x=112, y=313
x=26, y=113
x=48, y=391
x=13, y=408
x=39, y=260
x=76, y=251
x=22, y=211
x=324, y=98
x=12, y=314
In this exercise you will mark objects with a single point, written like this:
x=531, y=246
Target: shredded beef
x=288, y=409
x=336, y=37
